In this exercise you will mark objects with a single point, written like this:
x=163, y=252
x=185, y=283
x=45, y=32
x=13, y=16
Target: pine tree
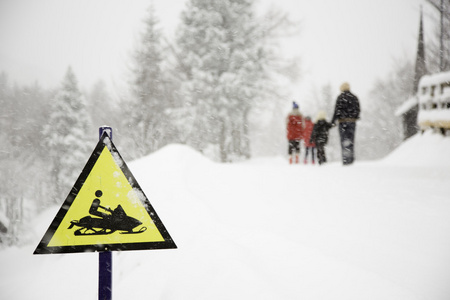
x=101, y=108
x=380, y=130
x=245, y=80
x=225, y=61
x=199, y=42
x=147, y=120
x=66, y=136
x=24, y=111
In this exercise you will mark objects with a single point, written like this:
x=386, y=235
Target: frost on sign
x=106, y=210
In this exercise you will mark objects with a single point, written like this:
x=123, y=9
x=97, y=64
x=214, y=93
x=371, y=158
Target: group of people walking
x=315, y=135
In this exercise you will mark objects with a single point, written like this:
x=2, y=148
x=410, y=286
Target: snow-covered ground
x=266, y=230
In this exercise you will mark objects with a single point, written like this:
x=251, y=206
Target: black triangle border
x=43, y=247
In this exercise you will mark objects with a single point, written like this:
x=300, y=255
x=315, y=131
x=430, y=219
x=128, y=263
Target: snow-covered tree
x=101, y=107
x=23, y=181
x=380, y=130
x=225, y=62
x=66, y=138
x=147, y=122
x=201, y=45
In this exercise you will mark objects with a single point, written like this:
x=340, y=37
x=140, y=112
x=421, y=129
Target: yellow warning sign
x=106, y=210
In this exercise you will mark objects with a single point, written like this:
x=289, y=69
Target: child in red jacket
x=307, y=130
x=294, y=128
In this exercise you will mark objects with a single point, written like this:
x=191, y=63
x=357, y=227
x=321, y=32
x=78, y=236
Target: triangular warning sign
x=106, y=210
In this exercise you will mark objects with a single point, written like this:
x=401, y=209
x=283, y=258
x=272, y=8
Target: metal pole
x=105, y=257
x=105, y=275
x=441, y=38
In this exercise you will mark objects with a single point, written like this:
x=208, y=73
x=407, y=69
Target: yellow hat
x=321, y=115
x=345, y=87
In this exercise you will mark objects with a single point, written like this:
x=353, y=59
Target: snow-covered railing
x=434, y=101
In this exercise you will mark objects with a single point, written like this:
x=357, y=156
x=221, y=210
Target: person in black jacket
x=346, y=113
x=319, y=136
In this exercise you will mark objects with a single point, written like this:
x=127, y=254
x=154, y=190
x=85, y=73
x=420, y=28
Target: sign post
x=105, y=275
x=106, y=210
x=105, y=257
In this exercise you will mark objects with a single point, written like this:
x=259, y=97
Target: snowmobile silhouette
x=107, y=223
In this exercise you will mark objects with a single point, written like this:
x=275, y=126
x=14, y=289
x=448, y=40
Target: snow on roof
x=434, y=79
x=407, y=105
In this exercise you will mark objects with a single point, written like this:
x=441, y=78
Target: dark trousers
x=347, y=134
x=321, y=157
x=312, y=153
x=294, y=147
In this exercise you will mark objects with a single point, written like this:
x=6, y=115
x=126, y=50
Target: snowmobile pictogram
x=106, y=223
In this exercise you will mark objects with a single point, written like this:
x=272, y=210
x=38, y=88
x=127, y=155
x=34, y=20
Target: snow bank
x=173, y=155
x=268, y=230
x=427, y=149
